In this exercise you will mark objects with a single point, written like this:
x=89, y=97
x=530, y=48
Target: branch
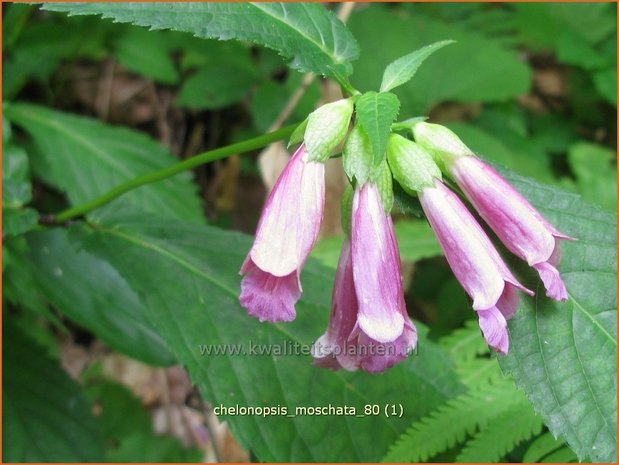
x=206, y=157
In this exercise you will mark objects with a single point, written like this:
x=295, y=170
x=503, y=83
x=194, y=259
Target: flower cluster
x=369, y=326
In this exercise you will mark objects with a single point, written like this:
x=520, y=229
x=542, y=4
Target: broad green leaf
x=596, y=175
x=216, y=87
x=18, y=221
x=187, y=276
x=90, y=292
x=541, y=447
x=148, y=54
x=306, y=33
x=16, y=188
x=375, y=113
x=403, y=69
x=564, y=355
x=16, y=192
x=45, y=418
x=86, y=158
x=475, y=69
x=606, y=84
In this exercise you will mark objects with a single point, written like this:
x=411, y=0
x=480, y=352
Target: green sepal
x=412, y=166
x=444, y=146
x=358, y=155
x=326, y=128
x=384, y=181
x=298, y=134
x=346, y=208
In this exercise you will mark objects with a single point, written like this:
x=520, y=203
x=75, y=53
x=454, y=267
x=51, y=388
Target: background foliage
x=151, y=276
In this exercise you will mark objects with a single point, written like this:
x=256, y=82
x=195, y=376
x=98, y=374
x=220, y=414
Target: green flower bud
x=412, y=166
x=326, y=128
x=358, y=156
x=441, y=142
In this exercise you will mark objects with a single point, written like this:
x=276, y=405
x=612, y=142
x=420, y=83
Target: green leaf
x=149, y=448
x=375, y=113
x=148, y=54
x=16, y=188
x=596, y=175
x=564, y=355
x=563, y=455
x=450, y=424
x=312, y=37
x=18, y=221
x=45, y=416
x=216, y=87
x=606, y=84
x=541, y=447
x=86, y=158
x=403, y=69
x=90, y=291
x=188, y=279
x=475, y=69
x=501, y=435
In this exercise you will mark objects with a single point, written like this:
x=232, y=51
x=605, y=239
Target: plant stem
x=206, y=157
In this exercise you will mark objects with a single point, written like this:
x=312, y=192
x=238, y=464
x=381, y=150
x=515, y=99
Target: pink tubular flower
x=287, y=230
x=369, y=327
x=475, y=263
x=519, y=226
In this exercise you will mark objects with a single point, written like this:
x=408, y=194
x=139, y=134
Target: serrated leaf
x=564, y=355
x=45, y=417
x=85, y=158
x=306, y=33
x=404, y=68
x=90, y=292
x=375, y=113
x=187, y=276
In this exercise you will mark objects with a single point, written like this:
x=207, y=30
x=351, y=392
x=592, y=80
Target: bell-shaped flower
x=286, y=232
x=369, y=327
x=513, y=219
x=475, y=262
x=518, y=225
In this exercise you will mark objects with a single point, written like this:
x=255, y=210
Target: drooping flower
x=514, y=220
x=475, y=262
x=286, y=232
x=369, y=327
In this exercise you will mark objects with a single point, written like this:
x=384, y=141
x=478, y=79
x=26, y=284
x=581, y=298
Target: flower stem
x=206, y=157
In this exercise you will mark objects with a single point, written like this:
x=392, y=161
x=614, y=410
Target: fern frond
x=450, y=423
x=501, y=434
x=479, y=372
x=465, y=343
